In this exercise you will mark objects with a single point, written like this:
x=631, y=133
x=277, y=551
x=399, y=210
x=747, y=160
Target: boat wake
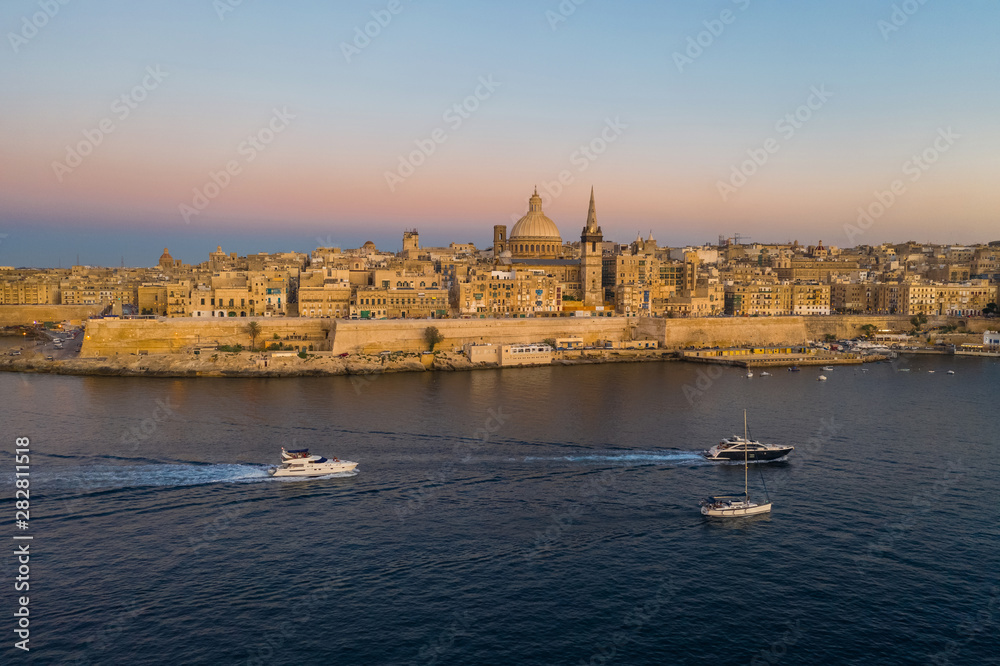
x=630, y=458
x=133, y=476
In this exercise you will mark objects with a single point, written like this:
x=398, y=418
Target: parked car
x=344, y=355
x=49, y=358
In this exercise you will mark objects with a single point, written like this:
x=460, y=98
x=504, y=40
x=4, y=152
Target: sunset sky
x=117, y=114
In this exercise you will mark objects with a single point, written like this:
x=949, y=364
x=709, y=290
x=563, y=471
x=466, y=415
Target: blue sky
x=892, y=88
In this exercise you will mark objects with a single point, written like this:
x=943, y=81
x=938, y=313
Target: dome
x=535, y=225
x=166, y=255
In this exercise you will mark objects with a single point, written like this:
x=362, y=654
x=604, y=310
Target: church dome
x=165, y=259
x=535, y=225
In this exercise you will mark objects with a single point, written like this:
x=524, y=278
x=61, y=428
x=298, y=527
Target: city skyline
x=780, y=123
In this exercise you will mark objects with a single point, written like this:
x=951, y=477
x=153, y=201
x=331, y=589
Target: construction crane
x=724, y=241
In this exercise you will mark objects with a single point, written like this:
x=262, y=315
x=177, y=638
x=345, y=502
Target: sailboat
x=733, y=506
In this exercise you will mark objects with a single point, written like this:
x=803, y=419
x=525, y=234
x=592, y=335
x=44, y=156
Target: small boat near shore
x=298, y=462
x=821, y=378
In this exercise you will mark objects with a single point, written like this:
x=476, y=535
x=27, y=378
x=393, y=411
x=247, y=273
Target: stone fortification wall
x=105, y=337
x=723, y=331
x=737, y=331
x=408, y=334
x=16, y=315
x=108, y=336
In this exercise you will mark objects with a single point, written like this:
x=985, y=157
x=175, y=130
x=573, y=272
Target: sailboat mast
x=746, y=487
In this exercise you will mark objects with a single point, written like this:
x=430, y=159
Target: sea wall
x=156, y=336
x=105, y=337
x=762, y=331
x=408, y=334
x=17, y=315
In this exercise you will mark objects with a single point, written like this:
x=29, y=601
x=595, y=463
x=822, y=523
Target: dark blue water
x=536, y=516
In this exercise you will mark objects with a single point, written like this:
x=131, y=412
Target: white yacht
x=821, y=378
x=298, y=462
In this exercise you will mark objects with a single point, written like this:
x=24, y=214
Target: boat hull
x=736, y=510
x=322, y=469
x=738, y=456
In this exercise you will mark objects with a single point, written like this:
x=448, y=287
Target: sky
x=127, y=127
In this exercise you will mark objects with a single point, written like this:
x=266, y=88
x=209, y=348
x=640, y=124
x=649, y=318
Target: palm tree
x=253, y=330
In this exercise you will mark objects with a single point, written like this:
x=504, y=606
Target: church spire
x=592, y=214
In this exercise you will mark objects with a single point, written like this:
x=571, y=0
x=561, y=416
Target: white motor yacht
x=738, y=448
x=298, y=462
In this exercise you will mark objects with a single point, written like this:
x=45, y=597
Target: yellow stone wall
x=105, y=337
x=408, y=335
x=15, y=315
x=108, y=336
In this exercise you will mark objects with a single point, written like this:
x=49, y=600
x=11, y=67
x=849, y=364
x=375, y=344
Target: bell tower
x=591, y=258
x=499, y=239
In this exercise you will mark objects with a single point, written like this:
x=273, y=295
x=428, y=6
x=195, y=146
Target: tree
x=991, y=310
x=868, y=330
x=830, y=337
x=918, y=321
x=433, y=336
x=551, y=342
x=253, y=330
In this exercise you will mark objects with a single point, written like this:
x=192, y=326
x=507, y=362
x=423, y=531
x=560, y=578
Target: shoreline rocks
x=255, y=364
